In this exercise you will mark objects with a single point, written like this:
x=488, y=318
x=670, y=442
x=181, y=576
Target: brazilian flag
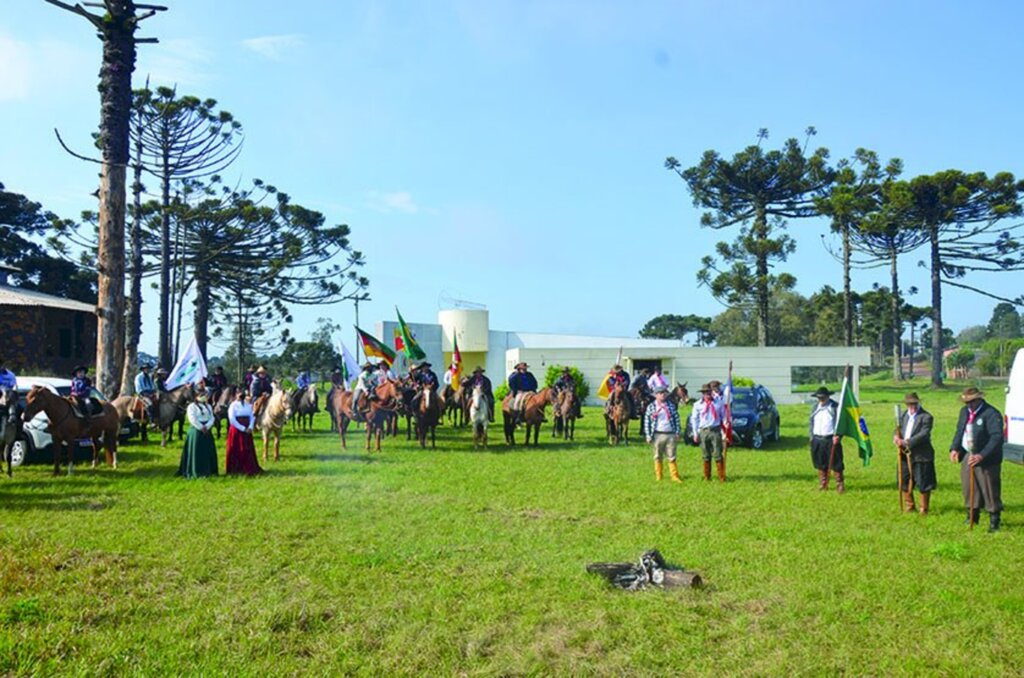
x=412, y=349
x=851, y=422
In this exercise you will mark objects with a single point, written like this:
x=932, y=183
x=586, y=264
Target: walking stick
x=970, y=495
x=899, y=461
x=831, y=458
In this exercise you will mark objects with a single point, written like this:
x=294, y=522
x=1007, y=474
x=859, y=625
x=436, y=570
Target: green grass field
x=472, y=563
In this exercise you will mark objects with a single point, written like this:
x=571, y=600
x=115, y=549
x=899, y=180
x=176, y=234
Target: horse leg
x=95, y=450
x=277, y=446
x=342, y=425
x=58, y=444
x=433, y=435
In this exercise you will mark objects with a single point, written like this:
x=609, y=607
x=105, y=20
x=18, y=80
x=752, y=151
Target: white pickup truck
x=1013, y=448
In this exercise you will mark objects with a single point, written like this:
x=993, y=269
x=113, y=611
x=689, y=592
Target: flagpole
x=839, y=414
x=728, y=406
x=365, y=296
x=899, y=461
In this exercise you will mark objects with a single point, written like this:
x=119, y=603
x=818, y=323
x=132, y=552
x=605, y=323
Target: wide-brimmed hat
x=714, y=383
x=660, y=389
x=566, y=370
x=367, y=365
x=616, y=366
x=479, y=369
x=425, y=364
x=971, y=393
x=145, y=366
x=705, y=388
x=80, y=368
x=218, y=368
x=261, y=370
x=822, y=392
x=911, y=399
x=161, y=370
x=518, y=365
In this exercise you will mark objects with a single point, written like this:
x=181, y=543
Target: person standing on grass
x=240, y=452
x=199, y=455
x=706, y=424
x=978, y=448
x=917, y=465
x=662, y=430
x=826, y=450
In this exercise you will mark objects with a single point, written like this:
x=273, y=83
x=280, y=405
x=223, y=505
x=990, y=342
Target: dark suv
x=755, y=418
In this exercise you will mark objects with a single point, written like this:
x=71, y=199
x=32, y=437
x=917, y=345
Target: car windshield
x=742, y=400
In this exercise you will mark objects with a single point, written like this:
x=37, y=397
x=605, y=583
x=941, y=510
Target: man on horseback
x=657, y=379
x=81, y=392
x=364, y=392
x=617, y=377
x=642, y=392
x=521, y=383
x=303, y=381
x=424, y=377
x=384, y=373
x=479, y=379
x=145, y=389
x=217, y=383
x=566, y=382
x=260, y=389
x=161, y=377
x=8, y=382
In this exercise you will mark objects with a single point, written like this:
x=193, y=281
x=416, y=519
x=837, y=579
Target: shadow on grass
x=54, y=501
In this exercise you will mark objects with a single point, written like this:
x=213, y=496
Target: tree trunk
x=913, y=326
x=201, y=313
x=115, y=111
x=241, y=343
x=134, y=313
x=165, y=265
x=761, y=281
x=897, y=323
x=847, y=305
x=936, y=263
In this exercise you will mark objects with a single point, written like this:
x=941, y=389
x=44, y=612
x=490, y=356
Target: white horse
x=479, y=414
x=276, y=412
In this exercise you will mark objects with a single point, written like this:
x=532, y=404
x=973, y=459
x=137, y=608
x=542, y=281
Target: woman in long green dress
x=199, y=457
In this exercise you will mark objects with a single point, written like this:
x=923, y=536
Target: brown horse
x=533, y=417
x=272, y=418
x=304, y=404
x=454, y=406
x=616, y=416
x=67, y=428
x=221, y=403
x=679, y=395
x=428, y=413
x=170, y=408
x=564, y=407
x=382, y=410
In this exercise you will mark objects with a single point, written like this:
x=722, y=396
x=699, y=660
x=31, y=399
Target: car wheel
x=757, y=438
x=777, y=435
x=19, y=451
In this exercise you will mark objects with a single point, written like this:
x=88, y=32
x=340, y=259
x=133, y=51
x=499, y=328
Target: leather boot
x=720, y=465
x=657, y=470
x=908, y=502
x=707, y=470
x=673, y=471
x=993, y=522
x=822, y=480
x=840, y=484
x=925, y=498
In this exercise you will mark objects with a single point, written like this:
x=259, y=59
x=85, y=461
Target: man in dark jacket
x=978, y=448
x=826, y=451
x=481, y=380
x=913, y=438
x=520, y=384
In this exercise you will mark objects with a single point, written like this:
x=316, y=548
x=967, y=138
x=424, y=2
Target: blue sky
x=510, y=153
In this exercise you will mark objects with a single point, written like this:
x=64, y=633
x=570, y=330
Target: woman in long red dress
x=240, y=457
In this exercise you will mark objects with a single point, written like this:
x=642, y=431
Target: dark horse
x=428, y=412
x=223, y=401
x=564, y=406
x=455, y=407
x=304, y=405
x=617, y=414
x=533, y=416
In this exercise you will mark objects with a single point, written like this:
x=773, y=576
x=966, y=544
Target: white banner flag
x=349, y=367
x=190, y=368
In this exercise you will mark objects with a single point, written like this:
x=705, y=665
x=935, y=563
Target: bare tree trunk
x=241, y=342
x=201, y=313
x=134, y=312
x=165, y=266
x=761, y=282
x=936, y=263
x=847, y=305
x=897, y=323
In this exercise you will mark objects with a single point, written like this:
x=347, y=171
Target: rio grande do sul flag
x=851, y=422
x=456, y=368
x=375, y=348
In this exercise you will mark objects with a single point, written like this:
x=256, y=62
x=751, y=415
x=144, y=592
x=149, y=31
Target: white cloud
x=273, y=47
x=14, y=73
x=398, y=201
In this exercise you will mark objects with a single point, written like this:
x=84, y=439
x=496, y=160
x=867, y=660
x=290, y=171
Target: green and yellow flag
x=412, y=349
x=851, y=422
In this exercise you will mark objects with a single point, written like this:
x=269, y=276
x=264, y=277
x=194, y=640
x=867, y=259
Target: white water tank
x=470, y=325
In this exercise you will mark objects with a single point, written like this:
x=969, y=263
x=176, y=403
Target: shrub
x=582, y=387
x=500, y=392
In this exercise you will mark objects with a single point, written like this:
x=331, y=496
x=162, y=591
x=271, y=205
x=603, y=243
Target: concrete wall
x=427, y=335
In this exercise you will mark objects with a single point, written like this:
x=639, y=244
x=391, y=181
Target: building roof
x=15, y=296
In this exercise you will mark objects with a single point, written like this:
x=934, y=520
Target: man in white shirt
x=657, y=379
x=706, y=424
x=826, y=452
x=365, y=385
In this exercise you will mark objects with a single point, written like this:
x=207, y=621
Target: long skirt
x=240, y=457
x=199, y=456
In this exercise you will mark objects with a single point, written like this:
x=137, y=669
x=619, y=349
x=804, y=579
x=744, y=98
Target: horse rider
x=217, y=382
x=657, y=379
x=425, y=377
x=384, y=372
x=643, y=390
x=618, y=377
x=145, y=388
x=303, y=381
x=364, y=391
x=81, y=391
x=521, y=383
x=161, y=378
x=260, y=389
x=249, y=375
x=481, y=380
x=8, y=382
x=566, y=382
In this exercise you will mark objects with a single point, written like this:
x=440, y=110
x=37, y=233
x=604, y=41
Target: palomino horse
x=534, y=416
x=304, y=405
x=225, y=397
x=616, y=416
x=67, y=428
x=272, y=418
x=479, y=415
x=382, y=410
x=428, y=415
x=565, y=415
x=10, y=425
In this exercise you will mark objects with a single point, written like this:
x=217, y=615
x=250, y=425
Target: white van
x=1013, y=448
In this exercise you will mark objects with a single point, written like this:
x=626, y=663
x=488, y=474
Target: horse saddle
x=257, y=407
x=86, y=409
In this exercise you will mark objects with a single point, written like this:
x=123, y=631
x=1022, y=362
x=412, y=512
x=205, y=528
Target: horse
x=67, y=428
x=225, y=397
x=616, y=416
x=272, y=419
x=679, y=395
x=304, y=404
x=454, y=410
x=10, y=426
x=405, y=407
x=479, y=415
x=170, y=408
x=428, y=415
x=382, y=410
x=564, y=406
x=534, y=416
x=641, y=399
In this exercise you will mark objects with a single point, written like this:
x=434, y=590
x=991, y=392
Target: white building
x=499, y=351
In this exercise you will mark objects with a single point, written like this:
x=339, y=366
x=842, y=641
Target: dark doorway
x=648, y=364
